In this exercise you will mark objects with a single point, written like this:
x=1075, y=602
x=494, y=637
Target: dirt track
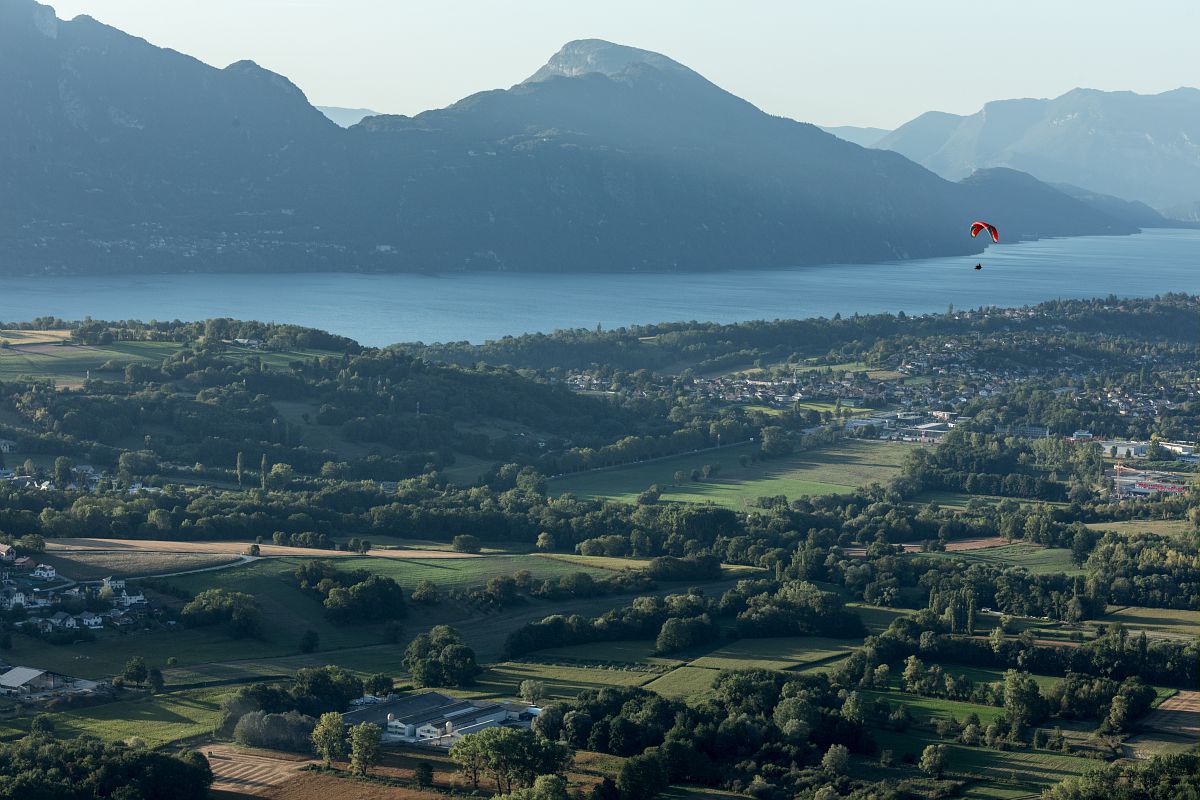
x=64, y=546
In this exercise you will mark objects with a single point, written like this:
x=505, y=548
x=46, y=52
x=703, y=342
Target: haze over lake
x=382, y=309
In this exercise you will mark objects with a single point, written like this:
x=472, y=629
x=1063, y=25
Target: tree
x=545, y=787
x=280, y=477
x=423, y=774
x=933, y=760
x=241, y=469
x=378, y=684
x=364, y=747
x=135, y=670
x=440, y=658
x=263, y=468
x=466, y=543
x=513, y=758
x=329, y=737
x=42, y=725
x=642, y=777
x=835, y=759
x=1023, y=702
x=310, y=642
x=532, y=691
x=64, y=472
x=426, y=593
x=545, y=542
x=155, y=678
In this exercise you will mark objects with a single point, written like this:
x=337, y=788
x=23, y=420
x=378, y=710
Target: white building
x=44, y=572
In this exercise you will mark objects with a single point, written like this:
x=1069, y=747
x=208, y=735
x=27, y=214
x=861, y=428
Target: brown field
x=19, y=338
x=250, y=773
x=398, y=764
x=1178, y=716
x=57, y=546
x=318, y=786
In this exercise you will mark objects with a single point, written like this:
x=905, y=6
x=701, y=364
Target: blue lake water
x=383, y=309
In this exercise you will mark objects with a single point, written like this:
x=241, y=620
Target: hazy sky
x=831, y=62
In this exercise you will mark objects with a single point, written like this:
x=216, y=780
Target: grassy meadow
x=1174, y=528
x=1164, y=622
x=852, y=463
x=157, y=719
x=1038, y=560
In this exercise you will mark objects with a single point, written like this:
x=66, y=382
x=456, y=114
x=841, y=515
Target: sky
x=835, y=62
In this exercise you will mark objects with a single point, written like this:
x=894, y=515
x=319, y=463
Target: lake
x=384, y=309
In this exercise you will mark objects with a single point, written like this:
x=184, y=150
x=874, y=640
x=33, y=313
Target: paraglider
x=978, y=226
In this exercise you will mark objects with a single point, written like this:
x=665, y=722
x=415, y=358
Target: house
x=130, y=601
x=7, y=445
x=44, y=572
x=62, y=620
x=8, y=553
x=11, y=598
x=37, y=599
x=27, y=680
x=90, y=620
x=24, y=564
x=115, y=584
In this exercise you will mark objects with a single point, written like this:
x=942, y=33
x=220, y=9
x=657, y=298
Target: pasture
x=1038, y=560
x=778, y=654
x=70, y=364
x=1163, y=622
x=928, y=709
x=157, y=719
x=685, y=683
x=1173, y=528
x=93, y=565
x=849, y=465
x=502, y=680
x=1002, y=773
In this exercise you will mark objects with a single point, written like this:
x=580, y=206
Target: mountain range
x=119, y=156
x=1134, y=146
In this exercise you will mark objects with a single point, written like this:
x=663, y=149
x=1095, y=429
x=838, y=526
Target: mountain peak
x=586, y=56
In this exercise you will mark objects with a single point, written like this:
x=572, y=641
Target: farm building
x=434, y=719
x=27, y=680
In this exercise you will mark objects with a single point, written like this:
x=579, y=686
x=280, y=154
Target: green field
x=957, y=501
x=686, y=683
x=877, y=618
x=41, y=354
x=981, y=675
x=1166, y=622
x=461, y=573
x=1038, y=560
x=70, y=363
x=1175, y=528
x=1006, y=770
x=562, y=680
x=779, y=654
x=618, y=564
x=86, y=565
x=932, y=708
x=625, y=652
x=158, y=720
x=851, y=464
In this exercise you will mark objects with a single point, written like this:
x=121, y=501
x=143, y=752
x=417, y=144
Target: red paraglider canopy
x=976, y=227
